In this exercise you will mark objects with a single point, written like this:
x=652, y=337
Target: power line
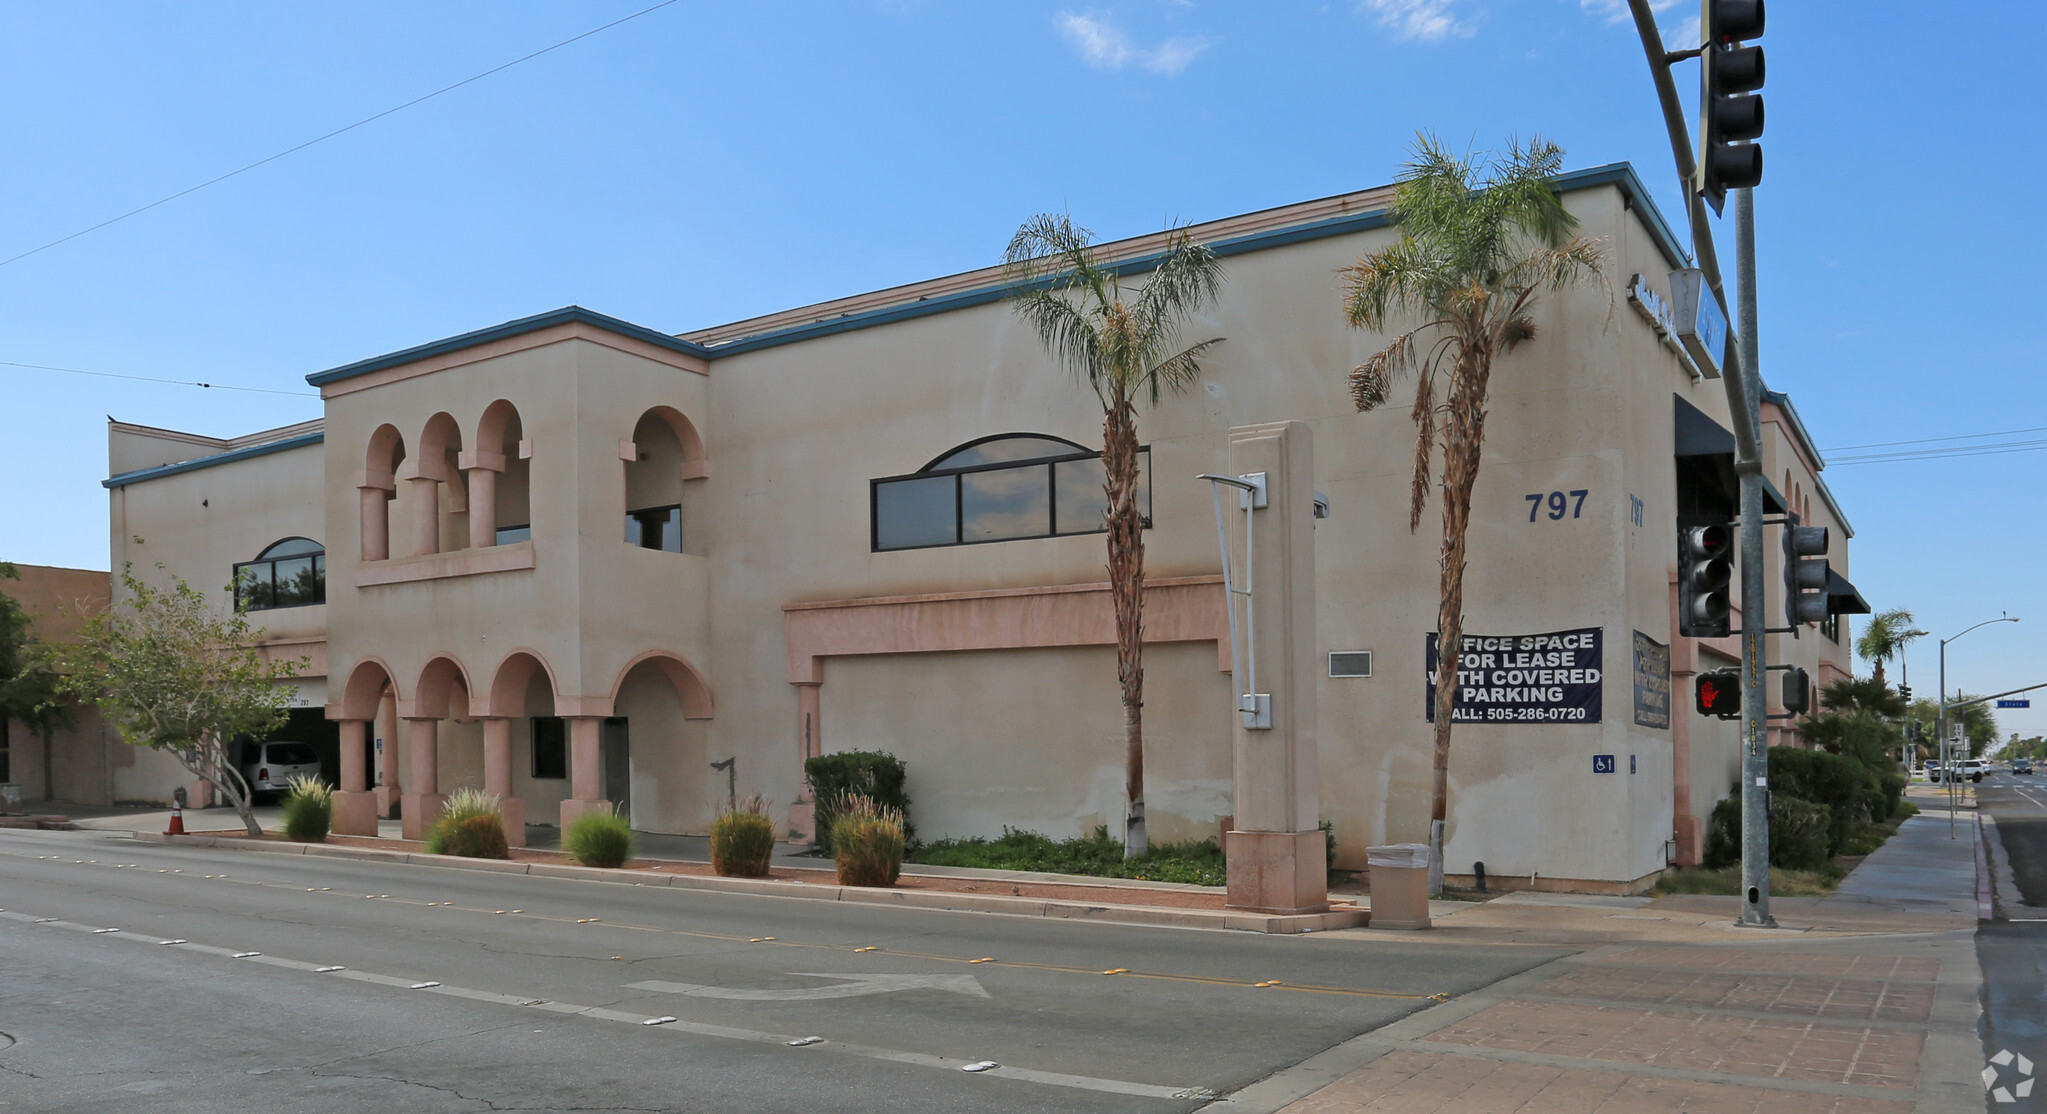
x=330, y=135
x=1943, y=454
x=150, y=379
x=1930, y=440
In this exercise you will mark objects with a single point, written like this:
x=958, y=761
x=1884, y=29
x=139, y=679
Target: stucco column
x=421, y=807
x=809, y=744
x=586, y=790
x=355, y=807
x=1277, y=861
x=483, y=506
x=497, y=777
x=426, y=516
x=376, y=521
x=388, y=781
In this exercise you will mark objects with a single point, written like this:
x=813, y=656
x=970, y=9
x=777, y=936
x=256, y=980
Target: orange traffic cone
x=177, y=827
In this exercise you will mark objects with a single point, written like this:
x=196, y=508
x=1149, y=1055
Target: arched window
x=291, y=573
x=1002, y=488
x=664, y=455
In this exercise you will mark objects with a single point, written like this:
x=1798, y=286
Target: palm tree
x=1886, y=637
x=1478, y=246
x=1123, y=344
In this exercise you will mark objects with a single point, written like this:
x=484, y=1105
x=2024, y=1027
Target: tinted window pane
x=914, y=512
x=290, y=754
x=1081, y=500
x=509, y=534
x=291, y=547
x=1005, y=503
x=1005, y=449
x=550, y=747
x=295, y=581
x=655, y=528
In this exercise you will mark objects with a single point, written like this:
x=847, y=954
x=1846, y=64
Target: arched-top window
x=1002, y=488
x=290, y=573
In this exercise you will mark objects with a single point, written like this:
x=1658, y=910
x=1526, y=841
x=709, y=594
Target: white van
x=269, y=767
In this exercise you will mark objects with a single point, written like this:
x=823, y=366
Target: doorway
x=615, y=748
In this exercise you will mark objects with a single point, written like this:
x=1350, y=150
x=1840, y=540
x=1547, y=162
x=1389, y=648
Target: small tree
x=1478, y=248
x=28, y=688
x=1123, y=344
x=172, y=674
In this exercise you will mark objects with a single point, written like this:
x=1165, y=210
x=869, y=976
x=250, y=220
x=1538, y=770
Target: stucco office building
x=575, y=560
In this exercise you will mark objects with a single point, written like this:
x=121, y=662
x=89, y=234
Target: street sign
x=2020, y=702
x=1602, y=764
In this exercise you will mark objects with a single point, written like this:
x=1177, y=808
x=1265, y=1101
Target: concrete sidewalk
x=1865, y=1002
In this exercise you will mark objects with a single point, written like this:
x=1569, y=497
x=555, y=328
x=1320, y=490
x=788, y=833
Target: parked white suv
x=269, y=767
x=1974, y=768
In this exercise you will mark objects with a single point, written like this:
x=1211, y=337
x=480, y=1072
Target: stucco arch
x=385, y=453
x=440, y=437
x=507, y=693
x=498, y=418
x=689, y=684
x=437, y=681
x=364, y=690
x=685, y=432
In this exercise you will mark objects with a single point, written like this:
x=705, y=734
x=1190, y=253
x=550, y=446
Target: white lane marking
x=722, y=1032
x=855, y=986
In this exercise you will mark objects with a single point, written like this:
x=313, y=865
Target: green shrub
x=599, y=839
x=1801, y=833
x=867, y=843
x=1723, y=834
x=470, y=825
x=1823, y=779
x=308, y=810
x=1196, y=862
x=743, y=839
x=835, y=777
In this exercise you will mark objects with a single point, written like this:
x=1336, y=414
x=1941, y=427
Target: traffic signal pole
x=1755, y=694
x=1744, y=404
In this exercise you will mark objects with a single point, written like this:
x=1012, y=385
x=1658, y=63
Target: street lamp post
x=1947, y=772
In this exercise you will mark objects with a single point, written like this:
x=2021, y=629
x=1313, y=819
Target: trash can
x=1399, y=877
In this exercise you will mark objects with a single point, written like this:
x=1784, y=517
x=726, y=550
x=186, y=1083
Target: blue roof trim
x=301, y=441
x=1619, y=174
x=563, y=316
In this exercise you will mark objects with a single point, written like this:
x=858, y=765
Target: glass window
x=550, y=747
x=999, y=489
x=655, y=528
x=509, y=534
x=916, y=512
x=291, y=573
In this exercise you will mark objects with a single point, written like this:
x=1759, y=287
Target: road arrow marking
x=854, y=987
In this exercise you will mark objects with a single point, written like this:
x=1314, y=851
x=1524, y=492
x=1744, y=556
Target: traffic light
x=1705, y=565
x=1797, y=691
x=1905, y=693
x=1730, y=114
x=1718, y=693
x=1805, y=573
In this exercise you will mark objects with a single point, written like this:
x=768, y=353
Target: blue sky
x=707, y=162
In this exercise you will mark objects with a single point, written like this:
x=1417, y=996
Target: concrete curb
x=1986, y=906
x=915, y=899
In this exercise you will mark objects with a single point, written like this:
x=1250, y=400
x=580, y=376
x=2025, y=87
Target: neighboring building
x=582, y=561
x=84, y=761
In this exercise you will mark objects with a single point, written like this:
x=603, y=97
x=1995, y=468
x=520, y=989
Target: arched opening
x=663, y=456
x=443, y=744
x=438, y=503
x=654, y=749
x=369, y=748
x=525, y=745
x=500, y=505
x=378, y=486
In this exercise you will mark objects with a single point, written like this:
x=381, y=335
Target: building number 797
x=1557, y=503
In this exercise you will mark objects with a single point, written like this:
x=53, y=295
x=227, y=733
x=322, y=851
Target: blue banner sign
x=2021, y=702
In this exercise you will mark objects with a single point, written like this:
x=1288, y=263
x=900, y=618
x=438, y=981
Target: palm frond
x=1179, y=371
x=1424, y=415
x=1066, y=330
x=1371, y=382
x=1399, y=278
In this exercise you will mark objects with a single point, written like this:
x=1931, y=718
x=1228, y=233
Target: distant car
x=2022, y=766
x=269, y=767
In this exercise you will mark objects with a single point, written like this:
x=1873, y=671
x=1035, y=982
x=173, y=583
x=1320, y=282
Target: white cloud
x=1105, y=46
x=1616, y=11
x=1426, y=20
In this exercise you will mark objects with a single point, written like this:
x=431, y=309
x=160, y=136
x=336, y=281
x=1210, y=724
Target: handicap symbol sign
x=1602, y=764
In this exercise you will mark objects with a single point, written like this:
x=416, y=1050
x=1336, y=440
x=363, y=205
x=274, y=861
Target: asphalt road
x=280, y=983
x=2013, y=948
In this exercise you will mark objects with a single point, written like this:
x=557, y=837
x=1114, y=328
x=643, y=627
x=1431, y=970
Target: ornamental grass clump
x=308, y=810
x=867, y=843
x=599, y=839
x=470, y=826
x=743, y=839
